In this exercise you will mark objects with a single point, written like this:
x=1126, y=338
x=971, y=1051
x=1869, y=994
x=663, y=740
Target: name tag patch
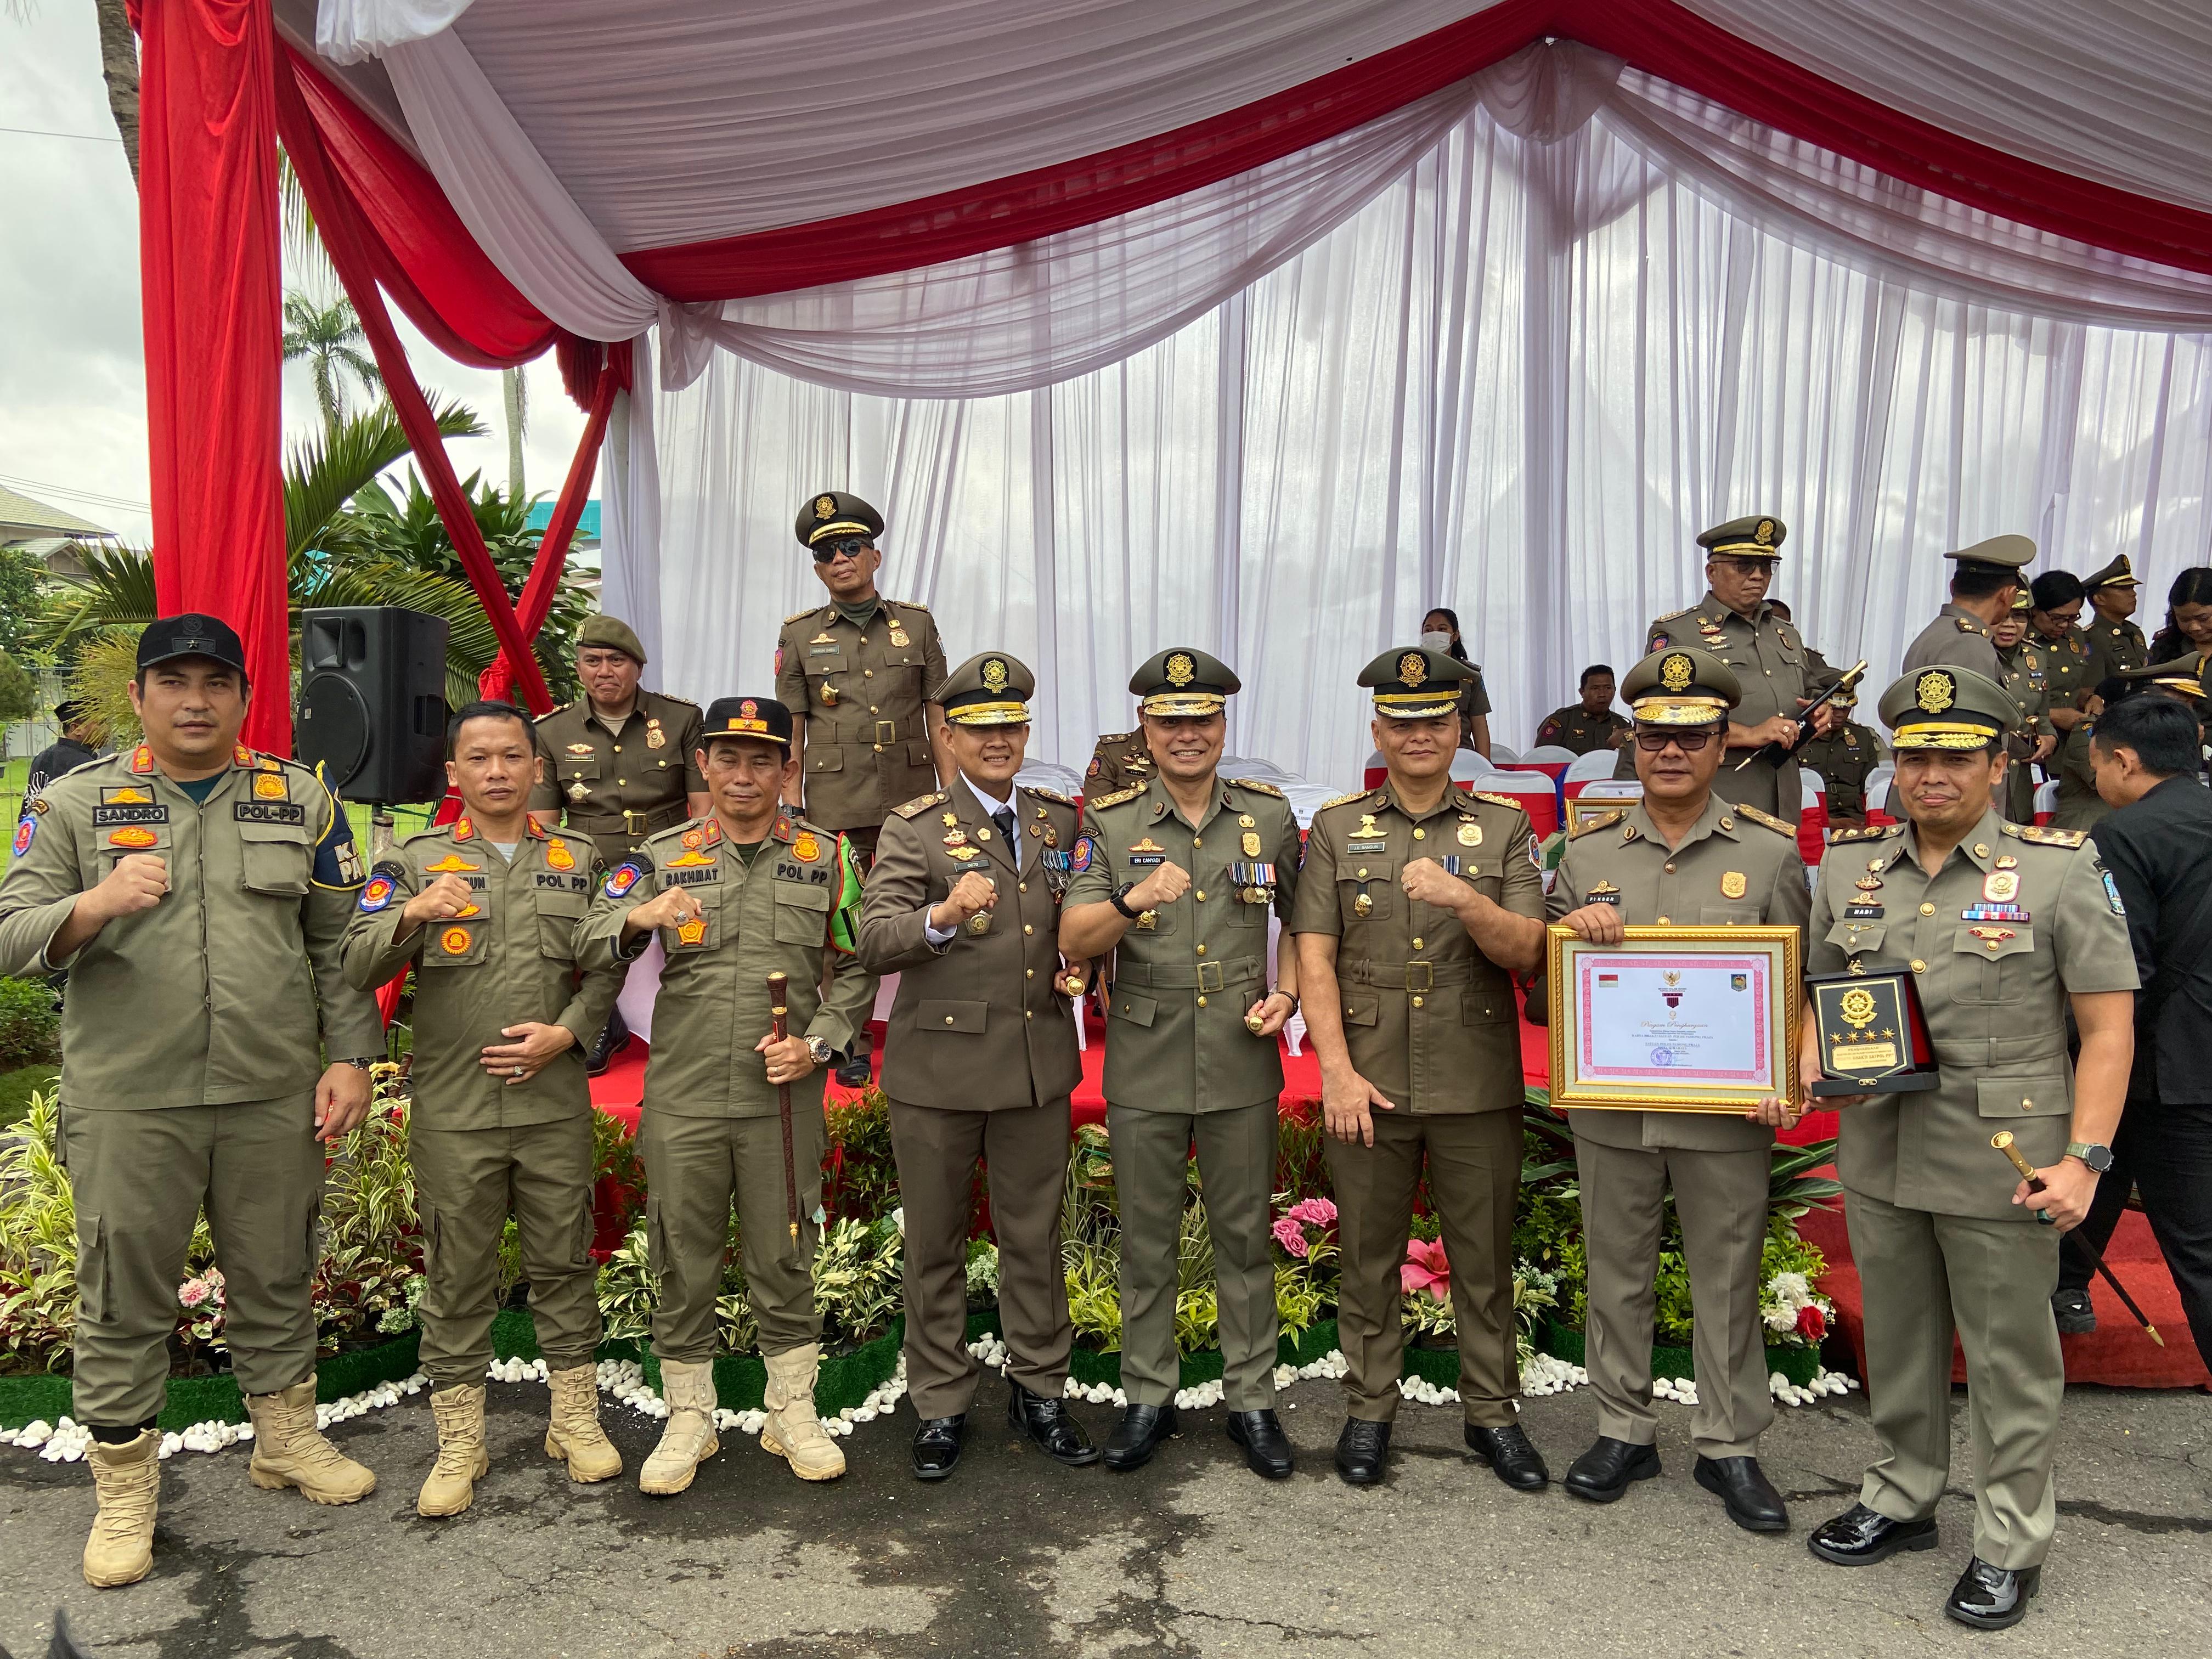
x=104, y=815
x=267, y=812
x=694, y=877
x=552, y=881
x=785, y=871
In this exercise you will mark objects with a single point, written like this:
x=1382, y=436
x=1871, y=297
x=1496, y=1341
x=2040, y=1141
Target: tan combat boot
x=792, y=1431
x=574, y=1432
x=462, y=1460
x=289, y=1450
x=128, y=1478
x=688, y=1440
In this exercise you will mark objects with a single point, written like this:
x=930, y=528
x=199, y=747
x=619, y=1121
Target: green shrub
x=30, y=1024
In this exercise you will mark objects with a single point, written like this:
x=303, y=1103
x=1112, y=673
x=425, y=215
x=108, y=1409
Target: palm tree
x=330, y=337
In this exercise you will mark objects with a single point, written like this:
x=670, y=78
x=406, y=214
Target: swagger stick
x=779, y=1010
x=2002, y=1141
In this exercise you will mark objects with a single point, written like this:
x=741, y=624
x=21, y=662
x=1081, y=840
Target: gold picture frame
x=1754, y=1055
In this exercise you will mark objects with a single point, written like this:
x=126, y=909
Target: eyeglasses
x=1689, y=741
x=829, y=551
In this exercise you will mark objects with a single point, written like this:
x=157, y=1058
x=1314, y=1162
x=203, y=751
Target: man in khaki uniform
x=196, y=892
x=1984, y=580
x=2055, y=603
x=1416, y=905
x=1177, y=878
x=1845, y=759
x=2035, y=739
x=1683, y=856
x=485, y=908
x=864, y=677
x=745, y=891
x=1736, y=622
x=1589, y=724
x=1122, y=760
x=2002, y=928
x=2113, y=594
x=980, y=1060
x=617, y=768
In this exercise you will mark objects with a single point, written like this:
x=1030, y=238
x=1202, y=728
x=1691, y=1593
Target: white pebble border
x=66, y=1442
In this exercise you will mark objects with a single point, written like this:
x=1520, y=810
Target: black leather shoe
x=1602, y=1474
x=2075, y=1314
x=855, y=1073
x=1362, y=1449
x=1138, y=1435
x=613, y=1038
x=1512, y=1457
x=1742, y=1485
x=1266, y=1448
x=1992, y=1598
x=1860, y=1537
x=1046, y=1421
x=937, y=1446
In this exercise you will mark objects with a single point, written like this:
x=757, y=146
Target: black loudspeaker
x=372, y=701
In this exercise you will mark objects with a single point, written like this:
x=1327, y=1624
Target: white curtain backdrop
x=1517, y=381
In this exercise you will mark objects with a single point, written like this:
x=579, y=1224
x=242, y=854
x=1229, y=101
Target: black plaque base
x=1873, y=1034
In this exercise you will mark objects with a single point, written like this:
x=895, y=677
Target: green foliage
x=30, y=1024
x=858, y=1273
x=18, y=1089
x=330, y=337
x=38, y=1244
x=1094, y=1293
x=24, y=584
x=19, y=692
x=372, y=1260
x=615, y=1162
x=101, y=680
x=628, y=1289
x=860, y=1171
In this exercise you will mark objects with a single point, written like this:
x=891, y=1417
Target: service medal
x=980, y=923
x=1363, y=906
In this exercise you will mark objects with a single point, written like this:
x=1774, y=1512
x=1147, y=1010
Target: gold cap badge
x=1412, y=668
x=1935, y=692
x=1181, y=669
x=1676, y=673
x=994, y=674
x=825, y=507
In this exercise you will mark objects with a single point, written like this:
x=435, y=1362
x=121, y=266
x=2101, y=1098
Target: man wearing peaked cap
x=746, y=889
x=1680, y=855
x=2113, y=594
x=865, y=675
x=2002, y=929
x=1416, y=906
x=1845, y=759
x=1984, y=580
x=1178, y=876
x=2035, y=739
x=1737, y=623
x=980, y=1061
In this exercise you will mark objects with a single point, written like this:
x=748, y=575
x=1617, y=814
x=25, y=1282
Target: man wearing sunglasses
x=1681, y=855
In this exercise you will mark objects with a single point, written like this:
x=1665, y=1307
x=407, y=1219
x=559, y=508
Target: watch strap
x=1119, y=899
x=2095, y=1154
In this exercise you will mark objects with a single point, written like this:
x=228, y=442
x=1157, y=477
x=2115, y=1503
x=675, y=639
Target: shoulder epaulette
x=1869, y=832
x=97, y=760
x=2044, y=834
x=424, y=834
x=919, y=805
x=1116, y=799
x=1767, y=818
x=1501, y=800
x=1344, y=800
x=1968, y=625
x=1688, y=610
x=911, y=604
x=668, y=696
x=1115, y=737
x=1603, y=821
x=1258, y=787
x=811, y=610
x=1053, y=795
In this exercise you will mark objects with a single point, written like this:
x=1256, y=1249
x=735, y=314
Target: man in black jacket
x=2157, y=845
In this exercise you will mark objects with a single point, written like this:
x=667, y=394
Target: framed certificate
x=1680, y=1019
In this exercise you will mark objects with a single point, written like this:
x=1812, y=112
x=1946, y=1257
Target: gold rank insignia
x=579, y=749
x=951, y=820
x=1733, y=884
x=1470, y=833
x=268, y=786
x=451, y=865
x=557, y=855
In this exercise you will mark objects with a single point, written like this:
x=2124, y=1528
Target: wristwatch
x=358, y=1065
x=2095, y=1154
x=820, y=1049
x=1119, y=899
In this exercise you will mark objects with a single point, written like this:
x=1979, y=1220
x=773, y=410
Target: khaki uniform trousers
x=1025, y=1151
x=140, y=1179
x=467, y=1183
x=1926, y=1276
x=1474, y=1175
x=1721, y=1198
x=696, y=1168
x=1236, y=1172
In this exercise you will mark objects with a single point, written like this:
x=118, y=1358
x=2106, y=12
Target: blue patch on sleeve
x=623, y=878
x=25, y=827
x=338, y=860
x=2113, y=895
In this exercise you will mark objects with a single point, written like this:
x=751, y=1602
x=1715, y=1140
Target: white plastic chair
x=1045, y=774
x=1550, y=754
x=1468, y=765
x=1615, y=789
x=1593, y=768
x=1501, y=755
x=1812, y=788
x=1248, y=766
x=1877, y=787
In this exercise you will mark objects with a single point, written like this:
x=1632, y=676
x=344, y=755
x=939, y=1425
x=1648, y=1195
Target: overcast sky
x=72, y=367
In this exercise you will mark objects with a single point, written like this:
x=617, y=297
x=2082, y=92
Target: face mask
x=1438, y=643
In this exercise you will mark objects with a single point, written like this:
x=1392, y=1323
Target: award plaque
x=1874, y=1037
x=1678, y=1019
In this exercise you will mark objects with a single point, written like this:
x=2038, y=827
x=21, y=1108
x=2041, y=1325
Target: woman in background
x=1440, y=632
x=2188, y=616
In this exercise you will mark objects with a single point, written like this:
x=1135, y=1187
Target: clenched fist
x=1163, y=886
x=672, y=909
x=1426, y=882
x=448, y=895
x=136, y=883
x=972, y=894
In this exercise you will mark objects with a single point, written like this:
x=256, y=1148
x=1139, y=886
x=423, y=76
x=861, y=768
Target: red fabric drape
x=210, y=280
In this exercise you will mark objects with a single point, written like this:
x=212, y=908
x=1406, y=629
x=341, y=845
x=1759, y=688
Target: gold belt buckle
x=886, y=731
x=1215, y=983
x=1420, y=976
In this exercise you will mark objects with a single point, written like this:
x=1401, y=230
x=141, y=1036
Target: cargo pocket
x=276, y=858
x=558, y=914
x=1725, y=916
x=802, y=914
x=1480, y=1006
x=824, y=757
x=1363, y=1008
x=1137, y=1011
x=91, y=1267
x=704, y=931
x=1858, y=937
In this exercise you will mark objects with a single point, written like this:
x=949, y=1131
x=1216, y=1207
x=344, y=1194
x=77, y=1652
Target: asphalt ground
x=1192, y=1555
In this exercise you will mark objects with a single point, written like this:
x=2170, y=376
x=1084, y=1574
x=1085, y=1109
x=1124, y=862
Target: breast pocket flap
x=939, y=1015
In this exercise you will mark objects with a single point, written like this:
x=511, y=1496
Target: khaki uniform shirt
x=2068, y=662
x=1186, y=975
x=1120, y=761
x=1954, y=640
x=509, y=959
x=618, y=788
x=1774, y=669
x=978, y=1024
x=1737, y=867
x=2080, y=805
x=2024, y=677
x=1576, y=728
x=2115, y=647
x=793, y=912
x=1993, y=988
x=1430, y=1020
x=1473, y=700
x=1845, y=759
x=230, y=988
x=861, y=692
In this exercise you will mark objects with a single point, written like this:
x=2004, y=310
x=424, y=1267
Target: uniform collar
x=1717, y=819
x=1712, y=608
x=1980, y=846
x=1452, y=800
x=1163, y=804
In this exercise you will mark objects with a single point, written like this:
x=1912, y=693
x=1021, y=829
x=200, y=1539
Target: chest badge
x=2007, y=861
x=135, y=836
x=692, y=930
x=951, y=820
x=806, y=849
x=579, y=749
x=654, y=737
x=579, y=791
x=1251, y=842
x=454, y=941
x=1363, y=906
x=267, y=786
x=1733, y=884
x=963, y=851
x=899, y=637
x=1367, y=825
x=557, y=855
x=829, y=695
x=1470, y=833
x=2000, y=886
x=1246, y=821
x=451, y=865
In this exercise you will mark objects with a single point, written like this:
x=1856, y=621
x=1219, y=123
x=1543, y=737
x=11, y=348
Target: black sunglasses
x=1690, y=741
x=829, y=550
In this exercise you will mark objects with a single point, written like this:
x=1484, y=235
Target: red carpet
x=2117, y=1354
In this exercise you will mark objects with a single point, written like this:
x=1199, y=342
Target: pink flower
x=1289, y=1236
x=1812, y=1323
x=192, y=1292
x=1313, y=1212
x=1425, y=1268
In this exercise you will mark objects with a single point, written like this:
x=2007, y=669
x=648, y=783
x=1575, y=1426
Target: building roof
x=23, y=519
